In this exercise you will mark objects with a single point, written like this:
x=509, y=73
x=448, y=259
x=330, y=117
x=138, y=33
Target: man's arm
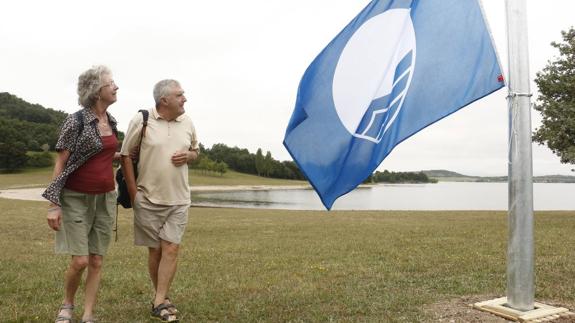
x=193, y=154
x=128, y=170
x=128, y=152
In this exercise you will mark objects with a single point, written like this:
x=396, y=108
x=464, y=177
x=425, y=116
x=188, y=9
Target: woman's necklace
x=104, y=126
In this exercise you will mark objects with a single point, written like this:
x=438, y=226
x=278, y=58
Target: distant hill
x=30, y=124
x=449, y=176
x=554, y=179
x=442, y=173
x=12, y=107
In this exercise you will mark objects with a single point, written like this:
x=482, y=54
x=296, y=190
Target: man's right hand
x=132, y=191
x=135, y=153
x=128, y=169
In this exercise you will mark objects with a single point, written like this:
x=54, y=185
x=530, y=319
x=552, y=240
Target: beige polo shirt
x=158, y=179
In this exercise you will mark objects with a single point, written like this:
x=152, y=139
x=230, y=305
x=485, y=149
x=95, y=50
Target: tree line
x=399, y=177
x=241, y=160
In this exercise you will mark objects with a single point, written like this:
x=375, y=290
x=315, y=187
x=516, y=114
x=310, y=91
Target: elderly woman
x=82, y=192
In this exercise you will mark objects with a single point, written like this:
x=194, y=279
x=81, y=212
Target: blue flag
x=396, y=68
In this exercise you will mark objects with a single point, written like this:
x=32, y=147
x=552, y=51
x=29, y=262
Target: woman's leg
x=72, y=282
x=92, y=285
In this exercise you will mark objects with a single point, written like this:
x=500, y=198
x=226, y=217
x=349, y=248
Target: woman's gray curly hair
x=89, y=85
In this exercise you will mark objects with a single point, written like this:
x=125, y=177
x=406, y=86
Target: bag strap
x=145, y=115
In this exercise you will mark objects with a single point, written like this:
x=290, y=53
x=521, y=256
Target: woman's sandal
x=65, y=318
x=162, y=313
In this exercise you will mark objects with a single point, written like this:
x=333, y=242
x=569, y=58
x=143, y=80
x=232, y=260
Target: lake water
x=440, y=196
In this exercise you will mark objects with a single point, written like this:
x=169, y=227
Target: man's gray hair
x=89, y=85
x=163, y=88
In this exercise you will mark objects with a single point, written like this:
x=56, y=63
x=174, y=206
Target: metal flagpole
x=520, y=249
x=519, y=305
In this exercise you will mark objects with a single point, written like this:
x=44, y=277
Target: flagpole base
x=541, y=312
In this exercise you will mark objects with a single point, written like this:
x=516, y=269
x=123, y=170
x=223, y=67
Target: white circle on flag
x=367, y=66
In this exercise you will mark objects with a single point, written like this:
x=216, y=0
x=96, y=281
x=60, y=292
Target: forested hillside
x=28, y=125
x=26, y=128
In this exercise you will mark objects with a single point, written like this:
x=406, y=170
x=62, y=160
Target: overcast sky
x=240, y=63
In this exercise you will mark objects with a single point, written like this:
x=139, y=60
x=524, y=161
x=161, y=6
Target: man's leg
x=154, y=257
x=92, y=284
x=166, y=270
x=72, y=281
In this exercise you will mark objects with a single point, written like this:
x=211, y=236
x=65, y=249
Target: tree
x=13, y=155
x=259, y=162
x=43, y=159
x=556, y=102
x=268, y=164
x=293, y=171
x=34, y=145
x=221, y=168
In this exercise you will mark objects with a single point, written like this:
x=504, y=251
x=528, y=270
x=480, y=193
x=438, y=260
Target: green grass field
x=41, y=177
x=242, y=265
x=32, y=177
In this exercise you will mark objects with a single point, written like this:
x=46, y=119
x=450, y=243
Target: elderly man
x=160, y=195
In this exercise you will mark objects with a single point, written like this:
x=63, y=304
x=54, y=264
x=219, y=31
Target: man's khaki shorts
x=154, y=222
x=87, y=222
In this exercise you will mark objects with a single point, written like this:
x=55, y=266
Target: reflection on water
x=440, y=196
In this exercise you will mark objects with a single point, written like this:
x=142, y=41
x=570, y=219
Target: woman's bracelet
x=53, y=208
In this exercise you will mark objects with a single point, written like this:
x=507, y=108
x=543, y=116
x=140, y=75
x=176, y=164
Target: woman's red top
x=96, y=175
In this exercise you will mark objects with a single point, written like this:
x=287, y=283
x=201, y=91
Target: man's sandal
x=171, y=306
x=162, y=313
x=65, y=318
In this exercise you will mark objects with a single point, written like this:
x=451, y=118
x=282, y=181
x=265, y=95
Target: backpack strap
x=145, y=114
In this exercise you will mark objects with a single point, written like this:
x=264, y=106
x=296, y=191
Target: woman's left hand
x=54, y=218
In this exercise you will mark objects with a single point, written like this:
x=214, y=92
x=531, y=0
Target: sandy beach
x=35, y=194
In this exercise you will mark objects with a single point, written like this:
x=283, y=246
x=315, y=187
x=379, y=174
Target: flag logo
x=372, y=78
